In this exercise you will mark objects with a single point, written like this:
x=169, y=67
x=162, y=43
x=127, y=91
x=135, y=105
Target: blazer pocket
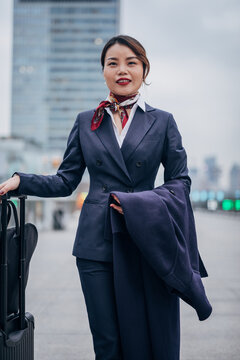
x=153, y=137
x=92, y=201
x=91, y=225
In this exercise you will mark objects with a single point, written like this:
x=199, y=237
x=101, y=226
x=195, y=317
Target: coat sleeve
x=174, y=157
x=67, y=178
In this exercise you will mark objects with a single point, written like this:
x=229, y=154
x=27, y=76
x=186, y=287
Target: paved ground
x=55, y=298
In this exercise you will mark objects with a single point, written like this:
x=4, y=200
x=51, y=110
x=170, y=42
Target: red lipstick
x=123, y=81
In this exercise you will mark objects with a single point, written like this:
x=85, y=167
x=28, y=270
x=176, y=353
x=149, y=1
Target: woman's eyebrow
x=128, y=58
x=131, y=57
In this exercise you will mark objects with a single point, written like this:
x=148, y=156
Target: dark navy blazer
x=152, y=138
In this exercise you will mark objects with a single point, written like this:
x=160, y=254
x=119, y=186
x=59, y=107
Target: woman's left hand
x=116, y=207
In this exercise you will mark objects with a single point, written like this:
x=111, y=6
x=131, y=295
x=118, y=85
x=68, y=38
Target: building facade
x=234, y=175
x=56, y=65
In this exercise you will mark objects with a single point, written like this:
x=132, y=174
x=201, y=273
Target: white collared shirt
x=120, y=137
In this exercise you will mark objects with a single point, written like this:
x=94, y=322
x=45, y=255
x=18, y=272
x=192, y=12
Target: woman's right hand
x=10, y=184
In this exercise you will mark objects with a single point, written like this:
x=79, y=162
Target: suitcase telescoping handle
x=22, y=259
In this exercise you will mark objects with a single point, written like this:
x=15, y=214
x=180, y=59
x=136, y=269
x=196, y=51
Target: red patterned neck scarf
x=117, y=103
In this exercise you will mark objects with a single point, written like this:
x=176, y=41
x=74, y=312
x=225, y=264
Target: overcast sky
x=193, y=48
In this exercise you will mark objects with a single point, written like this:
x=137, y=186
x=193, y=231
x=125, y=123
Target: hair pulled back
x=134, y=45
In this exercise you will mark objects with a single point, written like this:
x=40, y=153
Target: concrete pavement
x=55, y=298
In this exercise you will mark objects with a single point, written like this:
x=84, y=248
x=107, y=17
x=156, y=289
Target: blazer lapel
x=141, y=123
x=107, y=136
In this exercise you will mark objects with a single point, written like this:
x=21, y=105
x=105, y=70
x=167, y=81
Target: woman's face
x=123, y=71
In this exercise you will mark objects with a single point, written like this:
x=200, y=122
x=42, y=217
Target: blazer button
x=130, y=190
x=99, y=162
x=138, y=164
x=104, y=187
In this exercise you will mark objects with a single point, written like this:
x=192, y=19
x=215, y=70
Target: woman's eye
x=132, y=62
x=112, y=63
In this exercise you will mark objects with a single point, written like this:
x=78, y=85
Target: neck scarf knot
x=116, y=103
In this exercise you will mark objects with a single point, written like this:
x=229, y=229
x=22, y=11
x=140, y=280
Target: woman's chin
x=123, y=92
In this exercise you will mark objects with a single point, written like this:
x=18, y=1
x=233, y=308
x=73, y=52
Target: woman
x=122, y=143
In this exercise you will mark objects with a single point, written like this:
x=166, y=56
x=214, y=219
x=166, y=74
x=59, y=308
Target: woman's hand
x=116, y=207
x=10, y=184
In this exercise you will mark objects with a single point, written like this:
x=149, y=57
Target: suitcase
x=16, y=248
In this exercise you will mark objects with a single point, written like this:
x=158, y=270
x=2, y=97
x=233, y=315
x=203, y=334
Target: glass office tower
x=56, y=65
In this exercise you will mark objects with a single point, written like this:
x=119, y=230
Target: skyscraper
x=56, y=64
x=212, y=172
x=234, y=178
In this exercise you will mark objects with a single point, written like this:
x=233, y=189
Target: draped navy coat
x=156, y=261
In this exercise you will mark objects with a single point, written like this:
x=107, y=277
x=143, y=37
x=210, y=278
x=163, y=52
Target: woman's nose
x=122, y=69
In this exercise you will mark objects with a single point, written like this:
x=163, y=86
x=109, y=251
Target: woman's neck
x=121, y=98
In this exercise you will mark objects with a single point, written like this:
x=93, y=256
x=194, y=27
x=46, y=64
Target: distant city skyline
x=56, y=70
x=195, y=73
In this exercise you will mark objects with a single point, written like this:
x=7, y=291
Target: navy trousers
x=97, y=285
